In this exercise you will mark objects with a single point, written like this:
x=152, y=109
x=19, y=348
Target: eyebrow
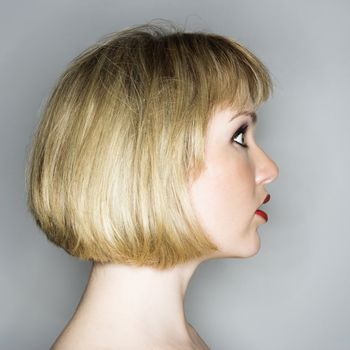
x=251, y=114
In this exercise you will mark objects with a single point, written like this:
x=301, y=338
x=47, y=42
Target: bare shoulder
x=62, y=342
x=72, y=339
x=198, y=341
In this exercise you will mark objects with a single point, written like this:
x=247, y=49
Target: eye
x=241, y=131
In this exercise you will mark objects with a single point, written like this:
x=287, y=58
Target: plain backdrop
x=294, y=294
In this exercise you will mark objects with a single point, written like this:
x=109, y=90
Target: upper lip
x=266, y=199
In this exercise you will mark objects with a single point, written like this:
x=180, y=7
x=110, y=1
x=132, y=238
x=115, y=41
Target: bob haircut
x=122, y=133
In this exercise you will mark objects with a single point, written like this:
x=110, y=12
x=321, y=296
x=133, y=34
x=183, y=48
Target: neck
x=142, y=301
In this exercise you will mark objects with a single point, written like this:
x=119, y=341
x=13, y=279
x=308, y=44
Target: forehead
x=232, y=110
x=229, y=113
x=250, y=113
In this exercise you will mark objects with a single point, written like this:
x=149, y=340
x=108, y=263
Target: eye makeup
x=242, y=130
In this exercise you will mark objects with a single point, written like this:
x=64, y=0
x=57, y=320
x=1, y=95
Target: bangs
x=219, y=71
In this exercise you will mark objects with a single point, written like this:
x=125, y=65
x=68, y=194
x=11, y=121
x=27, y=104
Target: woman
x=145, y=163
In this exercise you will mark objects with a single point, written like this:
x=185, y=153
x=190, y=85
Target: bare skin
x=114, y=315
x=125, y=307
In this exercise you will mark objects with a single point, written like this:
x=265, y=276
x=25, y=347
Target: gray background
x=294, y=294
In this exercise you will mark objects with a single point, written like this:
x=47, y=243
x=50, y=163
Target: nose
x=266, y=169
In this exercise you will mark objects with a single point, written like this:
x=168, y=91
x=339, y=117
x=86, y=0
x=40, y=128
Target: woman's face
x=232, y=187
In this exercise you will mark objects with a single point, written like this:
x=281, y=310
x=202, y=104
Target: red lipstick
x=262, y=213
x=267, y=199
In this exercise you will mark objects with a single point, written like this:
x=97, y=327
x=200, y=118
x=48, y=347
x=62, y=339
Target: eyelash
x=241, y=130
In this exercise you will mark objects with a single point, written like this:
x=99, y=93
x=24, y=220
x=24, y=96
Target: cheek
x=222, y=196
x=231, y=177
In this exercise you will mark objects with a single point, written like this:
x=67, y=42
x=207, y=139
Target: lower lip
x=262, y=214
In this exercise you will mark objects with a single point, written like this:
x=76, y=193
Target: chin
x=249, y=248
x=246, y=248
x=247, y=251
x=253, y=248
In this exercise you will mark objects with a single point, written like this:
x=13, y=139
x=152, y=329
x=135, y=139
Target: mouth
x=267, y=198
x=261, y=212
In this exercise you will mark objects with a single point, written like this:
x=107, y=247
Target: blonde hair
x=124, y=127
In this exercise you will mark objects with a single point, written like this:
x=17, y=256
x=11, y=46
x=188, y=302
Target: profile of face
x=227, y=193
